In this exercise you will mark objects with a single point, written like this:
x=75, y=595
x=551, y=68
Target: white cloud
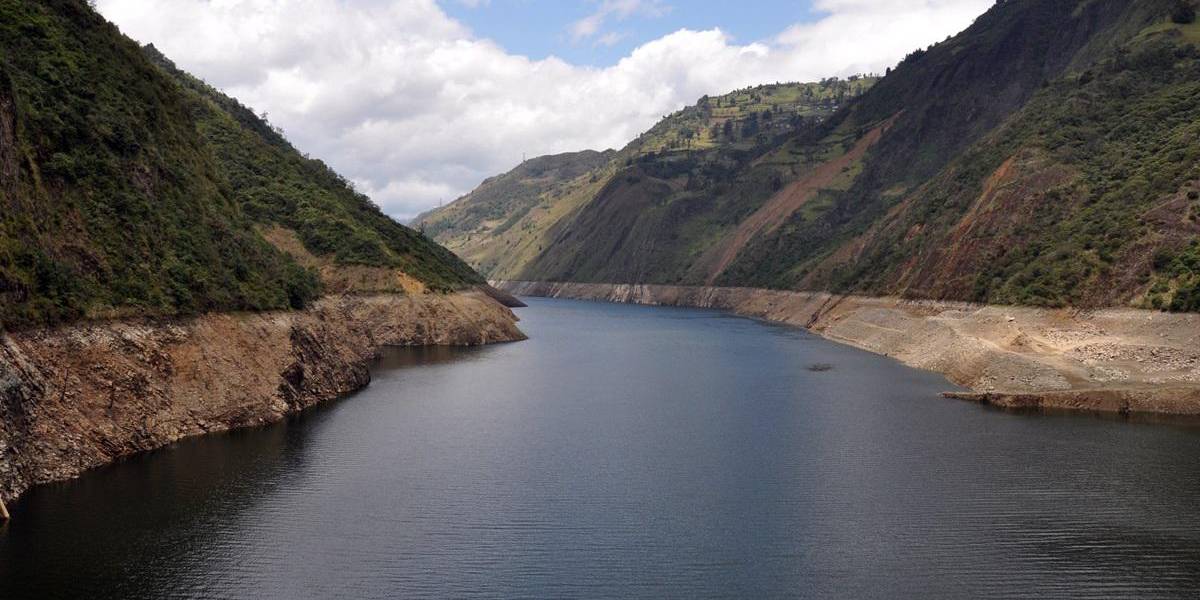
x=615, y=9
x=864, y=31
x=610, y=39
x=410, y=105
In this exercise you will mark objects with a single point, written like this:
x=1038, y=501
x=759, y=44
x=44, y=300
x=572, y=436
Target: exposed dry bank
x=78, y=397
x=1117, y=360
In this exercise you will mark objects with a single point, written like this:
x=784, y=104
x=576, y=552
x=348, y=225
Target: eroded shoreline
x=1115, y=360
x=78, y=397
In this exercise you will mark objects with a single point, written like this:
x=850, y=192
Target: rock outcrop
x=77, y=397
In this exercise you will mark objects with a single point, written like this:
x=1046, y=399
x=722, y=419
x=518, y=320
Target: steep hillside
x=500, y=202
x=295, y=198
x=1025, y=157
x=1047, y=155
x=133, y=190
x=507, y=223
x=142, y=215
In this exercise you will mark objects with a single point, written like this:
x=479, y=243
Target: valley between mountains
x=1123, y=361
x=1017, y=207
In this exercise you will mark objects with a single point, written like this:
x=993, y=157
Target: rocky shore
x=79, y=397
x=1117, y=360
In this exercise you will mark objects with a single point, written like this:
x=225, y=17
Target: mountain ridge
x=702, y=142
x=1040, y=157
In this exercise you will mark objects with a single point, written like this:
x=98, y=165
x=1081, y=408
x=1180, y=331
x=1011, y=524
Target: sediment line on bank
x=78, y=397
x=1115, y=360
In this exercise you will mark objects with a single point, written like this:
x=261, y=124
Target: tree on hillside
x=750, y=128
x=728, y=129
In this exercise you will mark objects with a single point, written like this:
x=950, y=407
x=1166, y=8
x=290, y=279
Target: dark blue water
x=632, y=452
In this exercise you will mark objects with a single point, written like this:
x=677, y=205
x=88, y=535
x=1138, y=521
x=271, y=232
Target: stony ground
x=78, y=397
x=1119, y=360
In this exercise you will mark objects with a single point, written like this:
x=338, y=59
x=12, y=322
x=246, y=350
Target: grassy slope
x=671, y=201
x=509, y=221
x=114, y=203
x=502, y=200
x=747, y=118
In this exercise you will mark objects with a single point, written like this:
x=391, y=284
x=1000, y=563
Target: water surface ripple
x=632, y=452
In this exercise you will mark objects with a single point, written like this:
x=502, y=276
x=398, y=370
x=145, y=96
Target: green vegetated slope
x=502, y=201
x=1048, y=155
x=509, y=222
x=276, y=185
x=1042, y=157
x=125, y=191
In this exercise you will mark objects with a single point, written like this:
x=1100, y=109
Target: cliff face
x=78, y=397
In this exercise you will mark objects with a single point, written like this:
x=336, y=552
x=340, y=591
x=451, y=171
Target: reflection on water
x=632, y=452
x=1191, y=422
x=391, y=359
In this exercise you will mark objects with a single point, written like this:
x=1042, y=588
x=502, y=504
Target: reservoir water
x=627, y=452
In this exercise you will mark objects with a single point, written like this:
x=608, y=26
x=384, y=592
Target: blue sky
x=542, y=28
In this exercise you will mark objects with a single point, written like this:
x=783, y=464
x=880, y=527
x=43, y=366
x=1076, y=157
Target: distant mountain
x=501, y=202
x=505, y=225
x=1047, y=155
x=132, y=188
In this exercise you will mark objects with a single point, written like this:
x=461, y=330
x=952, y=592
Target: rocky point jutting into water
x=171, y=265
x=81, y=396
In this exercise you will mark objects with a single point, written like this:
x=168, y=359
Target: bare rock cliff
x=78, y=397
